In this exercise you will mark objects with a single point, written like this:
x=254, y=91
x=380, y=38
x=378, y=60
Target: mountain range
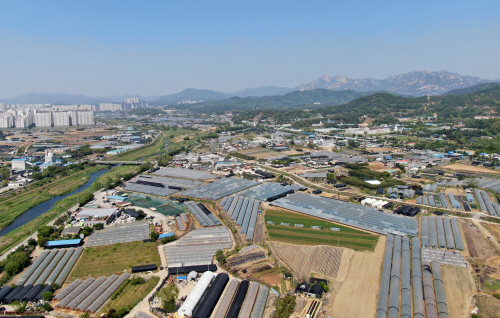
x=419, y=83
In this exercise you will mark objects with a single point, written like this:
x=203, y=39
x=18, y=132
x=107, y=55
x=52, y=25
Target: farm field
x=304, y=260
x=459, y=288
x=494, y=229
x=130, y=296
x=361, y=283
x=345, y=237
x=467, y=168
x=114, y=259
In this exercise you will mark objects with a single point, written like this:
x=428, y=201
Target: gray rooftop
x=350, y=214
x=185, y=173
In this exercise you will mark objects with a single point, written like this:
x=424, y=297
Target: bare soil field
x=379, y=149
x=459, y=288
x=361, y=284
x=467, y=168
x=303, y=260
x=272, y=278
x=471, y=248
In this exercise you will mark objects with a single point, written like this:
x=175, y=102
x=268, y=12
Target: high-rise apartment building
x=61, y=119
x=43, y=119
x=6, y=120
x=73, y=117
x=85, y=118
x=110, y=107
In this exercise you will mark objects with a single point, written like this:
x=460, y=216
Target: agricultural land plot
x=130, y=296
x=469, y=169
x=305, y=260
x=344, y=237
x=494, y=229
x=459, y=288
x=489, y=307
x=361, y=283
x=114, y=259
x=471, y=248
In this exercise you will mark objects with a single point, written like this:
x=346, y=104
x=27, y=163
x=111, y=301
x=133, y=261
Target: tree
x=98, y=226
x=42, y=241
x=47, y=296
x=154, y=236
x=168, y=296
x=31, y=242
x=46, y=306
x=472, y=183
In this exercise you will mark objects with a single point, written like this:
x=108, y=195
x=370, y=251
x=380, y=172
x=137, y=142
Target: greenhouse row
x=355, y=215
x=220, y=188
x=121, y=233
x=90, y=295
x=28, y=293
x=202, y=214
x=244, y=212
x=441, y=232
x=51, y=267
x=238, y=299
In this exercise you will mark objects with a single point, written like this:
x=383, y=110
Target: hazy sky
x=103, y=48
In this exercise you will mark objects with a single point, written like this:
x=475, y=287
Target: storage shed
x=63, y=244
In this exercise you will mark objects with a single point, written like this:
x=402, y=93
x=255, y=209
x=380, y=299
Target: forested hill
x=298, y=99
x=386, y=108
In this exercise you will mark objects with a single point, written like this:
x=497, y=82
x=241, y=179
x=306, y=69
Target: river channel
x=43, y=207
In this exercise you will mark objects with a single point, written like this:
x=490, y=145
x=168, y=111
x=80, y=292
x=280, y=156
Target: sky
x=105, y=48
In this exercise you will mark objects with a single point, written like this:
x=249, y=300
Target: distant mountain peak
x=416, y=83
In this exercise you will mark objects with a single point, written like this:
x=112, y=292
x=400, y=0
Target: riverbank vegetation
x=12, y=238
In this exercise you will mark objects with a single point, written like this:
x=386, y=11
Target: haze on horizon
x=104, y=48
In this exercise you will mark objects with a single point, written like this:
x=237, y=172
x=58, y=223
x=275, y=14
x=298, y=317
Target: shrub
x=47, y=296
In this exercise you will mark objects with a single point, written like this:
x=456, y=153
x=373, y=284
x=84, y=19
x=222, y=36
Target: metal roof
x=348, y=213
x=220, y=188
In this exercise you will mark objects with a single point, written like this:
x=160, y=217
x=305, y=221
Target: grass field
x=114, y=259
x=130, y=296
x=346, y=237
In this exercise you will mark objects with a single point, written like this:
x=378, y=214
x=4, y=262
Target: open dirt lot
x=360, y=286
x=380, y=149
x=459, y=288
x=378, y=166
x=467, y=168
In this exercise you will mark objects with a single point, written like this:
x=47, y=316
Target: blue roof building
x=165, y=235
x=63, y=244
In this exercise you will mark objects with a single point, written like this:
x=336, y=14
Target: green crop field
x=114, y=259
x=346, y=237
x=130, y=296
